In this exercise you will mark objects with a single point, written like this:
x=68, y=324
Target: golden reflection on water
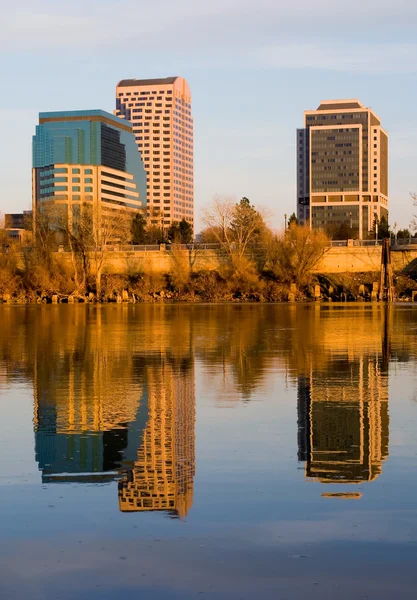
x=114, y=387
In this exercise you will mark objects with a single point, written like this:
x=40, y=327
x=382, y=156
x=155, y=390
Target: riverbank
x=211, y=286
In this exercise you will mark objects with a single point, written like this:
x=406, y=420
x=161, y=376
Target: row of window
x=75, y=171
x=358, y=116
x=156, y=105
x=334, y=182
x=155, y=138
x=145, y=93
x=139, y=110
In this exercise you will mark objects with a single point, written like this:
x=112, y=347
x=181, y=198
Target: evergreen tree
x=138, y=229
x=180, y=233
x=292, y=219
x=186, y=232
x=383, y=228
x=173, y=233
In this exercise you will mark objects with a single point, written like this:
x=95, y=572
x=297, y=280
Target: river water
x=209, y=451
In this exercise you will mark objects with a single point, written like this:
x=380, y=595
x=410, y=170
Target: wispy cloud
x=335, y=56
x=242, y=24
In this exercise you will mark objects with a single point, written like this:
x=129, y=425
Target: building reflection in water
x=343, y=423
x=114, y=388
x=105, y=408
x=163, y=474
x=89, y=412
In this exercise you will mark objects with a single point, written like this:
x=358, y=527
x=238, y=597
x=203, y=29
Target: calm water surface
x=218, y=452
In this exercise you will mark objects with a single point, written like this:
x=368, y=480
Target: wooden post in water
x=386, y=285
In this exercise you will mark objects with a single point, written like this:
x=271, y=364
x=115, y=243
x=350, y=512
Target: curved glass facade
x=94, y=139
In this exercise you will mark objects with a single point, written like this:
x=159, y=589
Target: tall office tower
x=342, y=169
x=87, y=157
x=160, y=111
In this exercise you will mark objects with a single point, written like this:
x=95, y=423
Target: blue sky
x=253, y=68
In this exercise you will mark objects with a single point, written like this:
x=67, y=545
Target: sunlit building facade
x=342, y=169
x=161, y=115
x=87, y=158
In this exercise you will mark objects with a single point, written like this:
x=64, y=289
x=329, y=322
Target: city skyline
x=237, y=152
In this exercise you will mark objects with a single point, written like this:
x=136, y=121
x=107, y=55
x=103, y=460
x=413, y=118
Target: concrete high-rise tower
x=160, y=112
x=342, y=169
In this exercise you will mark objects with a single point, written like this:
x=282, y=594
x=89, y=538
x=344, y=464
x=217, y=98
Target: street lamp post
x=285, y=221
x=376, y=229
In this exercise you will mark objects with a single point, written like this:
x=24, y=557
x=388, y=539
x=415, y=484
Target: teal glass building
x=87, y=157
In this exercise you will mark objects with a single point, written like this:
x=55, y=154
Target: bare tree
x=88, y=235
x=9, y=281
x=112, y=228
x=180, y=270
x=234, y=225
x=43, y=273
x=413, y=223
x=74, y=231
x=297, y=252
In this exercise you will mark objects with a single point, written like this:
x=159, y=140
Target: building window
x=88, y=189
x=76, y=188
x=75, y=171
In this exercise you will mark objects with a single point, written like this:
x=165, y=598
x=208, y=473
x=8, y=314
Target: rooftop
x=343, y=104
x=139, y=82
x=84, y=115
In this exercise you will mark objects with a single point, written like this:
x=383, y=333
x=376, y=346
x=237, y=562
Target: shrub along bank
x=203, y=286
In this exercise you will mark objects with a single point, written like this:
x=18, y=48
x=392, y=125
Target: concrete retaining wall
x=335, y=260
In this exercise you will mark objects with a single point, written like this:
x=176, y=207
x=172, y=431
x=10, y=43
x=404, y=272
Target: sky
x=253, y=68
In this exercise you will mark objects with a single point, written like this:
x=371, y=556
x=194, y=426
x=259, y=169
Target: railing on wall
x=394, y=242
x=403, y=242
x=153, y=247
x=399, y=243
